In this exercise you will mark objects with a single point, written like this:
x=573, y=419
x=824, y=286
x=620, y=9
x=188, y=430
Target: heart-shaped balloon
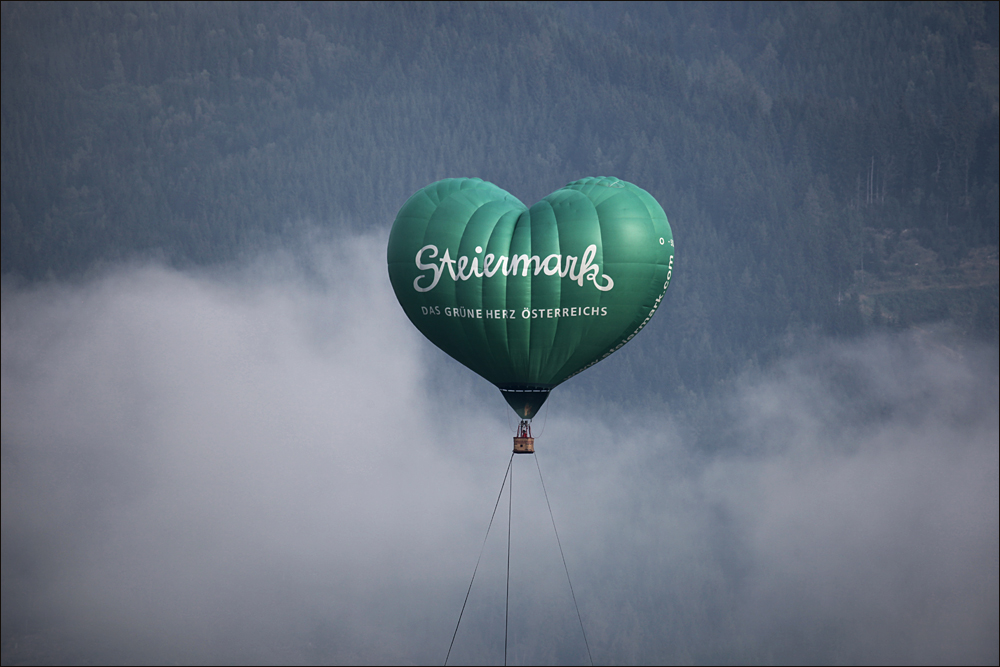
x=524, y=297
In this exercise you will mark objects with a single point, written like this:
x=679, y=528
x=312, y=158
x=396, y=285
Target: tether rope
x=506, y=608
x=586, y=643
x=481, y=550
x=509, y=474
x=544, y=422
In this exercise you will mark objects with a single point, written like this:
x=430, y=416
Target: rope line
x=506, y=608
x=544, y=421
x=556, y=531
x=481, y=550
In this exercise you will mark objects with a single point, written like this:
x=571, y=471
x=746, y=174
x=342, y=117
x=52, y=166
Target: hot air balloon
x=528, y=298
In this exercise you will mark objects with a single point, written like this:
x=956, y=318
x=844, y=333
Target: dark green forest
x=828, y=169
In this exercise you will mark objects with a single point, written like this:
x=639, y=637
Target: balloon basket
x=523, y=442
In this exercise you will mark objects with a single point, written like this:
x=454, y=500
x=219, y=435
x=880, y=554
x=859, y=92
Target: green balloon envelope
x=527, y=298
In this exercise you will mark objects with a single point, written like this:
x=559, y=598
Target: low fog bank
x=268, y=464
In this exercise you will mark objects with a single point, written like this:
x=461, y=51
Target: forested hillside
x=828, y=167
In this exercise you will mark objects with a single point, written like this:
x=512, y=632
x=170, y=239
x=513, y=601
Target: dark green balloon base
x=525, y=399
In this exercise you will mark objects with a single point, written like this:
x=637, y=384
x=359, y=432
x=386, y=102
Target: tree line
x=800, y=151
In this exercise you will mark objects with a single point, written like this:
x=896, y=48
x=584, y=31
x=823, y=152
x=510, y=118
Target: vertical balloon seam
x=492, y=223
x=582, y=188
x=642, y=307
x=450, y=338
x=615, y=343
x=519, y=361
x=600, y=258
x=476, y=329
x=610, y=346
x=481, y=325
x=479, y=219
x=646, y=299
x=554, y=331
x=533, y=366
x=554, y=373
x=465, y=293
x=654, y=295
x=445, y=337
x=508, y=323
x=559, y=373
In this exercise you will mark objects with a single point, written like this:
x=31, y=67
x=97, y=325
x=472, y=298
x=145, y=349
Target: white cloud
x=267, y=463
